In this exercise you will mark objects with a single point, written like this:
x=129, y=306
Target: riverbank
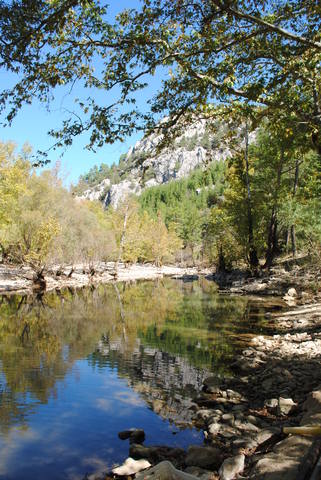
x=21, y=279
x=292, y=279
x=276, y=384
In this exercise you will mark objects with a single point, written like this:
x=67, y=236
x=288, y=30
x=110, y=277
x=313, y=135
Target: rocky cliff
x=142, y=167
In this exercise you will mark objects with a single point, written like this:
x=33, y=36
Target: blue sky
x=33, y=122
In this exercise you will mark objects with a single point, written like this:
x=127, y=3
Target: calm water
x=79, y=366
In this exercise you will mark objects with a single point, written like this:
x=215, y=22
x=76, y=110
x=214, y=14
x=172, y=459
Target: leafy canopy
x=257, y=57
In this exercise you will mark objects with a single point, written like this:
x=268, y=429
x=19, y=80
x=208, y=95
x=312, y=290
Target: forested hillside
x=256, y=204
x=150, y=162
x=261, y=202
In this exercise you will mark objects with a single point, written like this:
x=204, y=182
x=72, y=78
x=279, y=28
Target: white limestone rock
x=131, y=466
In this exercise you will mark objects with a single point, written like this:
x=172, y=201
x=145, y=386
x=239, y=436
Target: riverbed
x=79, y=365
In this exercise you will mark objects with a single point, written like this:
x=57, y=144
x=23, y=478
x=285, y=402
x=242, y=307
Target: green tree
x=41, y=223
x=159, y=243
x=14, y=174
x=221, y=241
x=248, y=55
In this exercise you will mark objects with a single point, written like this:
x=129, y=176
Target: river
x=79, y=365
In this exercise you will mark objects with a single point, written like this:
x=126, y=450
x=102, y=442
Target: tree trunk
x=287, y=240
x=272, y=240
x=122, y=313
x=295, y=186
x=253, y=258
x=221, y=267
x=293, y=240
x=192, y=253
x=122, y=240
x=272, y=244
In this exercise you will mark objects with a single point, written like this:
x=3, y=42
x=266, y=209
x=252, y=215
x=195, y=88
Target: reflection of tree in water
x=41, y=337
x=30, y=358
x=160, y=335
x=171, y=357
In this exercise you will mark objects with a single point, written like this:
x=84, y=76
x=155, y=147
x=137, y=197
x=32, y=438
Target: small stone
x=211, y=385
x=228, y=418
x=286, y=406
x=233, y=394
x=271, y=403
x=246, y=426
x=265, y=435
x=292, y=292
x=231, y=467
x=205, y=414
x=214, y=428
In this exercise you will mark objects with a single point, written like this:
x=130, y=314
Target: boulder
x=204, y=457
x=165, y=471
x=157, y=453
x=274, y=467
x=131, y=466
x=200, y=473
x=231, y=467
x=135, y=435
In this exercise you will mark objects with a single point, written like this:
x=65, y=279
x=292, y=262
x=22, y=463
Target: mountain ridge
x=142, y=167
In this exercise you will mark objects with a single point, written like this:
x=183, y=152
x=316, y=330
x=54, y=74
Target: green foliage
x=95, y=176
x=145, y=239
x=41, y=223
x=303, y=210
x=284, y=183
x=14, y=173
x=257, y=58
x=184, y=204
x=221, y=242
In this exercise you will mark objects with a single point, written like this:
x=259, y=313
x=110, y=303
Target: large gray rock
x=231, y=467
x=200, y=473
x=157, y=453
x=204, y=457
x=97, y=192
x=274, y=467
x=135, y=435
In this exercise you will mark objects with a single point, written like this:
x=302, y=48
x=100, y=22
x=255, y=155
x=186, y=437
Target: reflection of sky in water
x=64, y=389
x=76, y=432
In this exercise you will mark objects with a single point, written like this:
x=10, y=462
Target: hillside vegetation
x=260, y=203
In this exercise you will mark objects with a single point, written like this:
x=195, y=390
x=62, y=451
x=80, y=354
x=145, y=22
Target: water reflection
x=77, y=366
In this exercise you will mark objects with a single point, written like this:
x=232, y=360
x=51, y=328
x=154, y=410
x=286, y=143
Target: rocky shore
x=22, y=279
x=276, y=385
